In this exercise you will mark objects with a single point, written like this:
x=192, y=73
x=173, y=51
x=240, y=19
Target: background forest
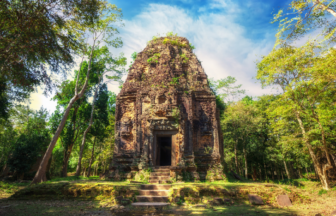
x=273, y=137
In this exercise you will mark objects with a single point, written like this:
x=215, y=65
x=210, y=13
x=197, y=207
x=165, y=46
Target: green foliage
x=155, y=38
x=174, y=42
x=171, y=34
x=176, y=115
x=226, y=88
x=220, y=104
x=154, y=58
x=112, y=98
x=4, y=100
x=42, y=42
x=322, y=191
x=31, y=144
x=302, y=114
x=186, y=176
x=134, y=55
x=143, y=175
x=287, y=189
x=303, y=18
x=175, y=81
x=81, y=110
x=191, y=46
x=208, y=150
x=185, y=59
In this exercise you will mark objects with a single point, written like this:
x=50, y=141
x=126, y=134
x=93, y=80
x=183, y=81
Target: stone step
x=153, y=192
x=155, y=187
x=159, y=178
x=152, y=198
x=162, y=168
x=160, y=174
x=160, y=171
x=150, y=204
x=159, y=181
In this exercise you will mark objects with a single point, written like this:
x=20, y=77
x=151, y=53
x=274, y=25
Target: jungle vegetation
x=272, y=137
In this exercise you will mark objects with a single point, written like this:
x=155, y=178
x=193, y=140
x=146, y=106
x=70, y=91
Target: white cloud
x=221, y=44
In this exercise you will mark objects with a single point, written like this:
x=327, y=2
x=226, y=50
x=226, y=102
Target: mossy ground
x=97, y=198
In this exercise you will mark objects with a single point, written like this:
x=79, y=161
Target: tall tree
x=30, y=144
x=240, y=121
x=101, y=30
x=307, y=95
x=35, y=38
x=306, y=17
x=226, y=89
x=112, y=69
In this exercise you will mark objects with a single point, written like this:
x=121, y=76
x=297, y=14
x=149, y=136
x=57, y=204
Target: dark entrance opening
x=165, y=144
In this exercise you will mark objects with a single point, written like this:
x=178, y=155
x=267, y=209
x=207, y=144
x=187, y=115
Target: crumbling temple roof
x=166, y=64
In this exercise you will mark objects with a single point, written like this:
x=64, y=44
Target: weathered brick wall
x=166, y=89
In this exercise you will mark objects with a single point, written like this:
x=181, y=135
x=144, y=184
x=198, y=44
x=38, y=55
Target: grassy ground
x=314, y=200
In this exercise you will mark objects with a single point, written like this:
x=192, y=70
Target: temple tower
x=166, y=115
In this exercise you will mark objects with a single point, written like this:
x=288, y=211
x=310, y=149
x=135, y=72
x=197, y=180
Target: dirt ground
x=76, y=207
x=68, y=207
x=321, y=203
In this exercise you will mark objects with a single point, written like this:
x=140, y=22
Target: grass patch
x=73, y=178
x=307, y=199
x=7, y=189
x=322, y=191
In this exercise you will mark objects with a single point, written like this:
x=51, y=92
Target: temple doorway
x=165, y=150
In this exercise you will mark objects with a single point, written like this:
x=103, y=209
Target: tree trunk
x=64, y=172
x=236, y=156
x=307, y=174
x=95, y=170
x=324, y=7
x=83, y=168
x=103, y=164
x=278, y=172
x=86, y=131
x=334, y=158
x=291, y=170
x=286, y=169
x=316, y=175
x=300, y=174
x=40, y=175
x=265, y=168
x=91, y=159
x=84, y=171
x=245, y=158
x=282, y=176
x=5, y=171
x=272, y=172
x=321, y=170
x=66, y=158
x=260, y=174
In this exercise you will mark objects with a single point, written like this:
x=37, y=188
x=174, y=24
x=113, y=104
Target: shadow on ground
x=78, y=207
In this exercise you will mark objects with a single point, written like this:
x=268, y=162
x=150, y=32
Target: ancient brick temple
x=166, y=115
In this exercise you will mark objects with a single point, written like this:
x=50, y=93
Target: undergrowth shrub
x=154, y=58
x=185, y=59
x=143, y=175
x=322, y=191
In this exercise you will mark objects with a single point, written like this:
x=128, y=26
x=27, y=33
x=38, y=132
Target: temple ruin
x=166, y=115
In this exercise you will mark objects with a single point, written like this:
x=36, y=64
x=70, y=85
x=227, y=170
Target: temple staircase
x=156, y=193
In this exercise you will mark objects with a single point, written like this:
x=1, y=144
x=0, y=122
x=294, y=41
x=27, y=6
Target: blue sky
x=229, y=35
x=254, y=15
